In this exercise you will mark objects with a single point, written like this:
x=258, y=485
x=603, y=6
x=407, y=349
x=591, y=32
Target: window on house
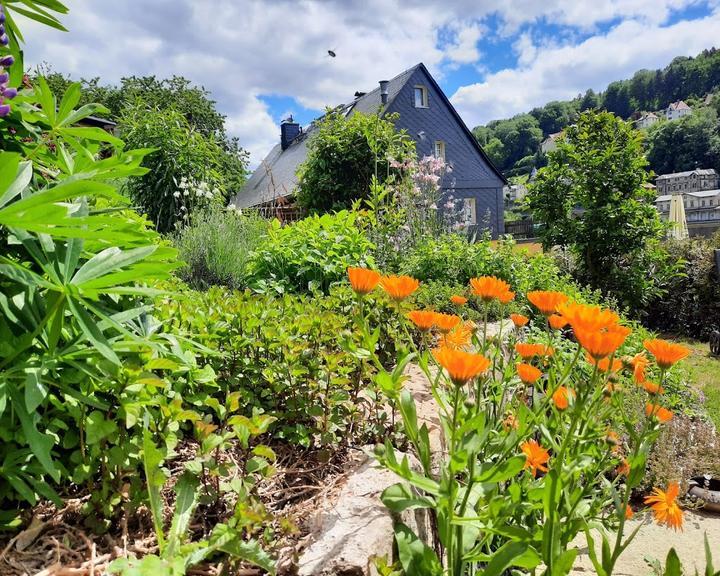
x=439, y=149
x=421, y=97
x=702, y=203
x=469, y=213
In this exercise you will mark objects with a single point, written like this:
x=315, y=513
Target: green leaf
x=35, y=391
x=69, y=100
x=46, y=99
x=92, y=332
x=90, y=133
x=504, y=557
x=504, y=471
x=98, y=427
x=185, y=502
x=109, y=260
x=155, y=478
x=15, y=176
x=672, y=564
x=415, y=556
x=399, y=497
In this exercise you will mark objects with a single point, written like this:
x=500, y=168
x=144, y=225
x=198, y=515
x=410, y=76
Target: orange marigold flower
x=546, y=301
x=457, y=299
x=506, y=297
x=653, y=388
x=665, y=507
x=657, y=411
x=623, y=468
x=587, y=317
x=461, y=366
x=423, y=319
x=557, y=321
x=528, y=373
x=490, y=288
x=604, y=364
x=535, y=456
x=665, y=353
x=519, y=320
x=628, y=512
x=602, y=343
x=459, y=337
x=527, y=351
x=363, y=280
x=561, y=397
x=639, y=364
x=446, y=322
x=399, y=287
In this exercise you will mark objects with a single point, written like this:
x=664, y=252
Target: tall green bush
x=217, y=246
x=310, y=254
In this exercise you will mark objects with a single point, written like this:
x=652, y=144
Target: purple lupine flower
x=4, y=110
x=9, y=93
x=4, y=40
x=6, y=61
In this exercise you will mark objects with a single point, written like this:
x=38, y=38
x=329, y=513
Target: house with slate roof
x=428, y=117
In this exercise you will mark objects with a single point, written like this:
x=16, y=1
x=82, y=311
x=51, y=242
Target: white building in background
x=677, y=110
x=688, y=181
x=550, y=143
x=702, y=210
x=647, y=120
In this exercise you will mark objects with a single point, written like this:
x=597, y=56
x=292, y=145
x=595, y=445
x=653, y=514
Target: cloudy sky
x=263, y=60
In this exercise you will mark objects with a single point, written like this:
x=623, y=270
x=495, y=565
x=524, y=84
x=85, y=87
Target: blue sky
x=263, y=60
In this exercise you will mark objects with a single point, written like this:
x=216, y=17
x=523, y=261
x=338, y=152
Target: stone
x=355, y=529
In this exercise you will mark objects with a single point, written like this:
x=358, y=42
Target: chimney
x=384, y=91
x=289, y=130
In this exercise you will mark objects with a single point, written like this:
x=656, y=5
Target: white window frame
x=423, y=98
x=439, y=149
x=469, y=211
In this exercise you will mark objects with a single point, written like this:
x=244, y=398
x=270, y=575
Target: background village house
x=433, y=123
x=677, y=110
x=700, y=196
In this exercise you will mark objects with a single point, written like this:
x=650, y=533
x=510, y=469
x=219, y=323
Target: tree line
x=513, y=144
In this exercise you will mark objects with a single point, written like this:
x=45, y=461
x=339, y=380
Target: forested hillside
x=514, y=143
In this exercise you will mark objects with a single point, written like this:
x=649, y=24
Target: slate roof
x=701, y=194
x=679, y=105
x=275, y=177
x=698, y=171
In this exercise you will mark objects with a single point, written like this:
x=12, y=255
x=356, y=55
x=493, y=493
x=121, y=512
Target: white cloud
x=243, y=50
x=562, y=72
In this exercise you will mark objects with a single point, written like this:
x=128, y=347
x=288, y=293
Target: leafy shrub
x=216, y=247
x=692, y=305
x=310, y=254
x=286, y=355
x=184, y=167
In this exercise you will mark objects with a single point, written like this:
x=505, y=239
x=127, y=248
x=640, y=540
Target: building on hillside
x=677, y=110
x=429, y=118
x=702, y=210
x=689, y=181
x=647, y=120
x=550, y=143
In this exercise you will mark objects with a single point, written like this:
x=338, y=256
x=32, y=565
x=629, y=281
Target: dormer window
x=421, y=97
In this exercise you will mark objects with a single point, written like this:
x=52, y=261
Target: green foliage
x=344, y=153
x=150, y=93
x=216, y=246
x=591, y=199
x=184, y=166
x=290, y=357
x=507, y=141
x=310, y=254
x=685, y=144
x=692, y=306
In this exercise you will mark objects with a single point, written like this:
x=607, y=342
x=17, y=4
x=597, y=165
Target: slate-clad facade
x=436, y=128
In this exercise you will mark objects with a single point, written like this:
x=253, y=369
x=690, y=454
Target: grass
x=704, y=374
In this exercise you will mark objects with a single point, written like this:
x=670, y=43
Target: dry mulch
x=56, y=543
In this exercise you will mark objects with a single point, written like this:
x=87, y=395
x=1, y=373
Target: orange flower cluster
x=428, y=319
x=639, y=364
x=519, y=320
x=489, y=288
x=653, y=388
x=557, y=321
x=546, y=301
x=528, y=373
x=596, y=329
x=665, y=507
x=457, y=299
x=399, y=287
x=362, y=280
x=535, y=456
x=666, y=353
x=527, y=351
x=604, y=364
x=461, y=366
